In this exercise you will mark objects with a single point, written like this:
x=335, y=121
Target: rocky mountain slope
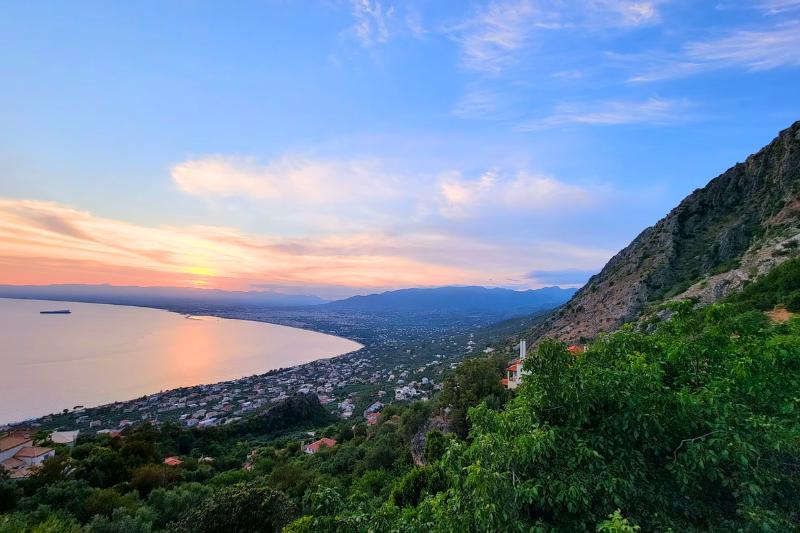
x=740, y=225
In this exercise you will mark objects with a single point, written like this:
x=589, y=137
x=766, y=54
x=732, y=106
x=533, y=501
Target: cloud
x=288, y=179
x=525, y=192
x=747, y=49
x=102, y=250
x=774, y=7
x=505, y=32
x=490, y=39
x=109, y=250
x=480, y=103
x=631, y=13
x=650, y=111
x=362, y=195
x=371, y=21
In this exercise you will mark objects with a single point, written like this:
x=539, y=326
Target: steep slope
x=740, y=225
x=455, y=300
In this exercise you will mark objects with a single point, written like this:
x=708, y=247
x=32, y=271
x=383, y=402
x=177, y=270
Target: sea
x=101, y=353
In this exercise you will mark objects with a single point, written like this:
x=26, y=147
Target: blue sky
x=342, y=147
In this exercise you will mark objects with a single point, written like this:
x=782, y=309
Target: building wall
x=36, y=461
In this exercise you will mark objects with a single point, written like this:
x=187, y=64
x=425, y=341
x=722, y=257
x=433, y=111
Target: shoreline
x=174, y=310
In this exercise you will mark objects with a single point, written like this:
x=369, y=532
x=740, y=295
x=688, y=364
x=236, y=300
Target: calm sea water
x=105, y=353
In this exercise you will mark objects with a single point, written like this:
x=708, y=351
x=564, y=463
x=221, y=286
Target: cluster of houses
x=19, y=455
x=340, y=382
x=223, y=403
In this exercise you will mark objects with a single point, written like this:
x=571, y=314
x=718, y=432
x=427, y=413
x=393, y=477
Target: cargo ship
x=56, y=312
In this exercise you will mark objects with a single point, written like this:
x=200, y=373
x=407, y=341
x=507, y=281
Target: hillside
x=742, y=224
x=455, y=300
x=691, y=426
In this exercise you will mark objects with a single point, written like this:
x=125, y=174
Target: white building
x=18, y=455
x=515, y=372
x=68, y=437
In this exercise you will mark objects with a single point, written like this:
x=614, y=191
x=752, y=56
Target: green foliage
x=616, y=523
x=170, y=505
x=10, y=493
x=241, y=508
x=436, y=444
x=781, y=286
x=148, y=477
x=473, y=381
x=693, y=426
x=417, y=483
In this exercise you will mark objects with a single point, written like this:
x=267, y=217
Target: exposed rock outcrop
x=738, y=226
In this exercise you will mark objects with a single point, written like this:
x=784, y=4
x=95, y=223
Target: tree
x=473, y=381
x=148, y=477
x=241, y=508
x=435, y=445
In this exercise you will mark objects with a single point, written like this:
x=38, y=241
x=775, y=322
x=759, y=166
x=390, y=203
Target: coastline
x=200, y=385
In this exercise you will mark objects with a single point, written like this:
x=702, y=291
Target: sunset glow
x=340, y=148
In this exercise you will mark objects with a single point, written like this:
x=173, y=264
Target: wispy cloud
x=751, y=50
x=371, y=21
x=315, y=191
x=481, y=103
x=489, y=40
x=296, y=179
x=630, y=12
x=466, y=197
x=505, y=32
x=774, y=7
x=650, y=111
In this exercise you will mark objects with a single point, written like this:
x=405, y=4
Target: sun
x=201, y=271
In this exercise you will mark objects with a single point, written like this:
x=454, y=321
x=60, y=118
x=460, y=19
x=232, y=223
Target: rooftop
x=33, y=451
x=12, y=441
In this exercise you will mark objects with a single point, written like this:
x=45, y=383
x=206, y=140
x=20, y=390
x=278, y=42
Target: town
x=407, y=365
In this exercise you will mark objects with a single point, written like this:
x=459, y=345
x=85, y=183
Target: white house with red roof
x=315, y=446
x=18, y=455
x=515, y=371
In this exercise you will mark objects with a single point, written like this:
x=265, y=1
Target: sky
x=343, y=147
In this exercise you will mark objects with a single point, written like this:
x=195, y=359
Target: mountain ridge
x=455, y=299
x=721, y=236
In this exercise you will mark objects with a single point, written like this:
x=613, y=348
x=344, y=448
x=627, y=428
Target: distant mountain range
x=496, y=303
x=455, y=300
x=155, y=296
x=719, y=238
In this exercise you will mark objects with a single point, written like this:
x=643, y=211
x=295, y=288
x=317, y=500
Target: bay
x=101, y=353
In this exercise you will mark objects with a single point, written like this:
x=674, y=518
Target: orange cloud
x=43, y=242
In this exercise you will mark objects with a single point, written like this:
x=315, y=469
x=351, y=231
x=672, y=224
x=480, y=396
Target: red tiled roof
x=33, y=451
x=317, y=444
x=12, y=441
x=576, y=349
x=172, y=461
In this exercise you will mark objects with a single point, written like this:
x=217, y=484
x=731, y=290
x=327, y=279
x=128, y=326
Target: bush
x=242, y=508
x=148, y=477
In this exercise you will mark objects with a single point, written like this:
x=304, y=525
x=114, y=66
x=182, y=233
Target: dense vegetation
x=693, y=426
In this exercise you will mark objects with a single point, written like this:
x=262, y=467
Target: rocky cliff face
x=740, y=225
